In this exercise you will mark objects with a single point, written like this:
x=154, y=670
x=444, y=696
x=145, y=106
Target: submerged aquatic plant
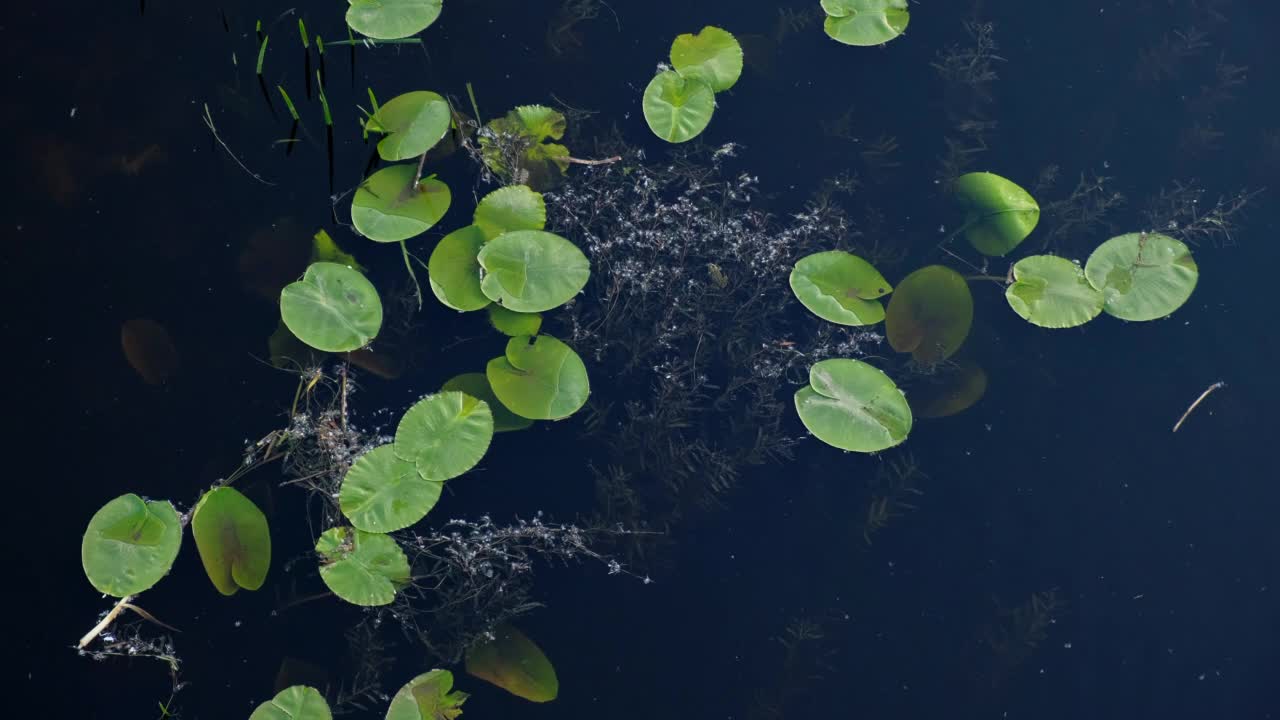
x=689, y=303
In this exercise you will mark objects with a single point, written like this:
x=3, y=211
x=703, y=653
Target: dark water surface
x=1069, y=556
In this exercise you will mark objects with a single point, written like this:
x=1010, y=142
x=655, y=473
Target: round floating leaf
x=512, y=323
x=999, y=213
x=414, y=123
x=840, y=287
x=233, y=540
x=383, y=492
x=427, y=696
x=514, y=207
x=391, y=19
x=713, y=56
x=514, y=663
x=676, y=107
x=1142, y=276
x=1052, y=292
x=853, y=406
x=332, y=308
x=149, y=349
x=130, y=544
x=360, y=567
x=865, y=22
x=445, y=434
x=532, y=270
x=539, y=378
x=477, y=386
x=951, y=392
x=455, y=272
x=930, y=314
x=542, y=163
x=389, y=207
x=294, y=703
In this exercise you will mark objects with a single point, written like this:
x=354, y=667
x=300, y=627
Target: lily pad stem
x=417, y=289
x=120, y=606
x=992, y=278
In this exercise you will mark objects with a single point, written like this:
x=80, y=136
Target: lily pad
x=512, y=323
x=532, y=270
x=678, y=108
x=332, y=308
x=542, y=162
x=477, y=386
x=360, y=567
x=298, y=702
x=539, y=378
x=1052, y=292
x=951, y=392
x=840, y=287
x=445, y=434
x=413, y=122
x=429, y=696
x=455, y=272
x=233, y=540
x=325, y=249
x=384, y=493
x=853, y=406
x=514, y=207
x=130, y=544
x=713, y=56
x=514, y=663
x=999, y=213
x=390, y=207
x=930, y=314
x=865, y=22
x=1142, y=276
x=392, y=19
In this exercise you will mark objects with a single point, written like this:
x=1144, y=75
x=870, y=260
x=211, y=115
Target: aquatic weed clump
x=690, y=315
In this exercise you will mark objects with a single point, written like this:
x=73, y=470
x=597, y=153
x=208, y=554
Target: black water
x=1162, y=550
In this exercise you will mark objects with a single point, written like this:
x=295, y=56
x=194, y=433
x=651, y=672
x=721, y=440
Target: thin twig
x=1195, y=404
x=208, y=122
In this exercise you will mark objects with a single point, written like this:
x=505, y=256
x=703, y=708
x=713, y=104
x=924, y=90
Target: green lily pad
x=233, y=540
x=324, y=249
x=539, y=378
x=999, y=214
x=360, y=567
x=840, y=287
x=1052, y=292
x=477, y=386
x=298, y=702
x=678, y=108
x=392, y=19
x=1142, y=276
x=512, y=323
x=454, y=270
x=382, y=492
x=445, y=434
x=514, y=663
x=514, y=207
x=532, y=270
x=542, y=162
x=130, y=544
x=413, y=122
x=865, y=22
x=332, y=308
x=427, y=697
x=713, y=56
x=853, y=406
x=930, y=314
x=389, y=207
